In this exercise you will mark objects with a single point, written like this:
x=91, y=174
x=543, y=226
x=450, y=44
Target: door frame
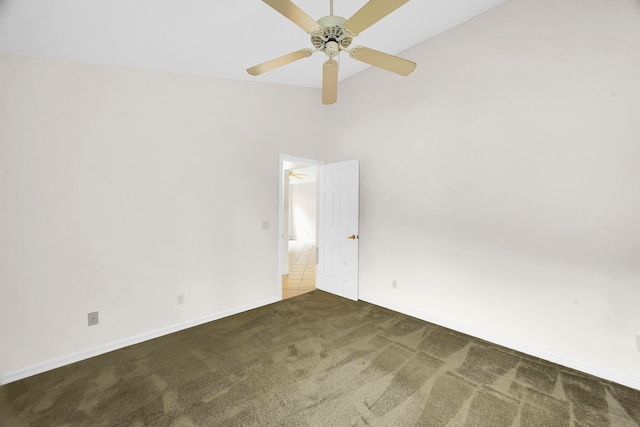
x=293, y=159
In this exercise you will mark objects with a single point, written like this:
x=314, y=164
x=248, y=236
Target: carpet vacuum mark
x=317, y=360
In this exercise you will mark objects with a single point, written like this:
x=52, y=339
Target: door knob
x=353, y=236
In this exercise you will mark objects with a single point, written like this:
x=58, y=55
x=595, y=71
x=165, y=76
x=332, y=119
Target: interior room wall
x=499, y=188
x=303, y=211
x=500, y=183
x=120, y=188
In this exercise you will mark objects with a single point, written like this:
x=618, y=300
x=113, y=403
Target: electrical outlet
x=180, y=299
x=638, y=343
x=265, y=225
x=394, y=284
x=93, y=318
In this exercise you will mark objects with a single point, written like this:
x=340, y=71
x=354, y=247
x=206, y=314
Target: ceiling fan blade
x=294, y=14
x=330, y=82
x=279, y=62
x=383, y=60
x=370, y=13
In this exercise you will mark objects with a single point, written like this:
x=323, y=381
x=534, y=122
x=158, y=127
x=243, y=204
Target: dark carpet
x=317, y=360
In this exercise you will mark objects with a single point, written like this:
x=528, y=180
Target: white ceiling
x=212, y=37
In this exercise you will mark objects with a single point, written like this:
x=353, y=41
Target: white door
x=338, y=206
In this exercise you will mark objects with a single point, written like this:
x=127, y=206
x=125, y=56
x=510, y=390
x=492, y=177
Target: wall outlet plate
x=638, y=343
x=93, y=318
x=180, y=299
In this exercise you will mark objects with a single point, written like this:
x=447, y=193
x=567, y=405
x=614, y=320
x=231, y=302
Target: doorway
x=301, y=210
x=298, y=225
x=335, y=249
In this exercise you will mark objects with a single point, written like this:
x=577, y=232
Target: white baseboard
x=39, y=368
x=616, y=377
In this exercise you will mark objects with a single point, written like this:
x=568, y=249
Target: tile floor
x=302, y=269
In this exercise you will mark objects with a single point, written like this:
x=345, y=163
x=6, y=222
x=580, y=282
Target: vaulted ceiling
x=212, y=37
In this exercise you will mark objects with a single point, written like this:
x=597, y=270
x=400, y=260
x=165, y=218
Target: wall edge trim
x=568, y=362
x=38, y=368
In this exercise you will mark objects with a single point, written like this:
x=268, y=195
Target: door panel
x=338, y=209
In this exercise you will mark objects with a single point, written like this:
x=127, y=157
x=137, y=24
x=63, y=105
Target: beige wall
x=499, y=187
x=500, y=183
x=121, y=188
x=302, y=199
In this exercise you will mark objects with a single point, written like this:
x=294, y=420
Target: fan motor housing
x=333, y=31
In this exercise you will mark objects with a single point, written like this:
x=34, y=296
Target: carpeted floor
x=319, y=360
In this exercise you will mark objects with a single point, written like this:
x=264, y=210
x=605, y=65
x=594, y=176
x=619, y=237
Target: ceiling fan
x=292, y=174
x=332, y=34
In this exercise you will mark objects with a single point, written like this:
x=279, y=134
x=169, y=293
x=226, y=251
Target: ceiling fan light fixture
x=332, y=30
x=332, y=34
x=292, y=174
x=331, y=49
